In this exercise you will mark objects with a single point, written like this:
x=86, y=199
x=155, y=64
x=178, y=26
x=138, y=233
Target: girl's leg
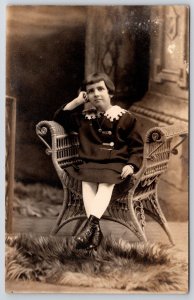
x=102, y=199
x=96, y=198
x=89, y=190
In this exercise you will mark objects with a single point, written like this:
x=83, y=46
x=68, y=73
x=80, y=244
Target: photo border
x=36, y=296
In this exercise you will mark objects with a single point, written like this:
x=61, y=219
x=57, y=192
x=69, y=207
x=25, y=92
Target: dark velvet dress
x=108, y=141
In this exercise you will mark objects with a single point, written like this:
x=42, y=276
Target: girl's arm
x=81, y=99
x=68, y=118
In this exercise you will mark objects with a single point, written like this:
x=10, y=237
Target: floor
x=153, y=230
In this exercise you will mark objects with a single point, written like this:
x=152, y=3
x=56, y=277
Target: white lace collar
x=113, y=113
x=92, y=114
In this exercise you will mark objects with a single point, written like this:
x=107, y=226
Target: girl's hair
x=96, y=77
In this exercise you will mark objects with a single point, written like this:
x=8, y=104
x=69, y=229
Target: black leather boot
x=97, y=237
x=84, y=240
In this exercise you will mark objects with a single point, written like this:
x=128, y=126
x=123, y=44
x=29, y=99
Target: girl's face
x=98, y=95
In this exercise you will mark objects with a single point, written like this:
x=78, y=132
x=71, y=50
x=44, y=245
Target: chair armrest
x=161, y=134
x=157, y=145
x=63, y=147
x=55, y=129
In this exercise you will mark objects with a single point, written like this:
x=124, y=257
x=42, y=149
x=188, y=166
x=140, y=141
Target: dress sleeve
x=69, y=119
x=134, y=141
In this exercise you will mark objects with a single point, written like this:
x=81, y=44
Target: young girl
x=110, y=147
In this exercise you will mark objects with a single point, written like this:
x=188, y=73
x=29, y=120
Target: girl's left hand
x=126, y=171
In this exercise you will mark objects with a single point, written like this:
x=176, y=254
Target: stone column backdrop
x=145, y=51
x=166, y=101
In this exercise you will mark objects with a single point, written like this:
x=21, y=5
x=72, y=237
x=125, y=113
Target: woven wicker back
x=67, y=150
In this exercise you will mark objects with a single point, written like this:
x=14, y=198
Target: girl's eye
x=90, y=91
x=100, y=88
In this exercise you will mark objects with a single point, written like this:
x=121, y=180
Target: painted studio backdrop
x=49, y=51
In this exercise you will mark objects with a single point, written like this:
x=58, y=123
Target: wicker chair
x=128, y=204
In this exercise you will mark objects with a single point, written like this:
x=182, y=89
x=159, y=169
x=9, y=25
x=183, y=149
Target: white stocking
x=96, y=197
x=89, y=190
x=102, y=199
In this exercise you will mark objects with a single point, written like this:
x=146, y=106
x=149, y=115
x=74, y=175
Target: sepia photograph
x=96, y=162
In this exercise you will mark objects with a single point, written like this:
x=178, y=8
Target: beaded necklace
x=106, y=132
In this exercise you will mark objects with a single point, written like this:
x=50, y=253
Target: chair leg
x=158, y=215
x=166, y=228
x=56, y=227
x=77, y=226
x=137, y=225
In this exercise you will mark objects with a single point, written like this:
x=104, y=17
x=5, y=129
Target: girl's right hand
x=82, y=98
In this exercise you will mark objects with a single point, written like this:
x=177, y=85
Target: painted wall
x=45, y=65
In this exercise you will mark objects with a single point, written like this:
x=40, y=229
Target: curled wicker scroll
x=160, y=134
